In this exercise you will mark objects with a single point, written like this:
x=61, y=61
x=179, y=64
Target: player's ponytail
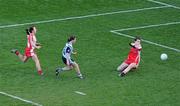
x=27, y=32
x=71, y=38
x=30, y=30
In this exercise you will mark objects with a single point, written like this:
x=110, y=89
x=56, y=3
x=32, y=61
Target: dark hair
x=27, y=31
x=31, y=29
x=71, y=38
x=137, y=38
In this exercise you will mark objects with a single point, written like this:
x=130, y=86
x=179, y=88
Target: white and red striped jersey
x=31, y=41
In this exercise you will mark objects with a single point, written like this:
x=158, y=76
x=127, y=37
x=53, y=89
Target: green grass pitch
x=154, y=83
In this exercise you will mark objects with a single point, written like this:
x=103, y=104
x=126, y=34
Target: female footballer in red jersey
x=133, y=58
x=29, y=51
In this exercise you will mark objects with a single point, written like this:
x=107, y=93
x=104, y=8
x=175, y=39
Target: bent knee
x=74, y=64
x=70, y=67
x=24, y=60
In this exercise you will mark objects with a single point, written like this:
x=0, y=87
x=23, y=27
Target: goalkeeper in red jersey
x=133, y=58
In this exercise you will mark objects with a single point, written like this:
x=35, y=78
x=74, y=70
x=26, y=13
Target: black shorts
x=65, y=60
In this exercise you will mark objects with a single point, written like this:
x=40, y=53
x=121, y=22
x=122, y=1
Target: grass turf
x=155, y=82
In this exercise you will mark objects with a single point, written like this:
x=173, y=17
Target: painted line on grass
x=81, y=17
x=143, y=27
x=149, y=26
x=149, y=42
x=165, y=4
x=81, y=93
x=21, y=99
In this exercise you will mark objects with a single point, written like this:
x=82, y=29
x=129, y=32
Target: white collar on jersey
x=69, y=44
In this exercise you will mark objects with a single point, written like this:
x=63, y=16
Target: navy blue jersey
x=67, y=50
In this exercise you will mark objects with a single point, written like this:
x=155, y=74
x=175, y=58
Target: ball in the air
x=164, y=56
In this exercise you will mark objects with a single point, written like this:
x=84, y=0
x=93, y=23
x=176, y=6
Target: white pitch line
x=24, y=100
x=81, y=17
x=149, y=42
x=165, y=4
x=149, y=26
x=81, y=93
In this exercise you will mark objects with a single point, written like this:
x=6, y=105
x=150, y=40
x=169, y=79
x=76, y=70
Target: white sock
x=79, y=74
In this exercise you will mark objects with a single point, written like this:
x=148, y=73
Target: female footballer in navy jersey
x=66, y=58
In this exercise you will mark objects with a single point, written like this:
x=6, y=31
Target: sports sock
x=40, y=72
x=79, y=74
x=17, y=53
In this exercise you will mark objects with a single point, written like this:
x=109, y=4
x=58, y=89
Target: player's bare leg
x=66, y=68
x=77, y=69
x=21, y=57
x=122, y=67
x=132, y=65
x=38, y=66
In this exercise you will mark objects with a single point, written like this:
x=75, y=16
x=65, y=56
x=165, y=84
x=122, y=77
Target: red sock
x=17, y=53
x=40, y=72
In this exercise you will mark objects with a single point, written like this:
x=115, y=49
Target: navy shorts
x=65, y=60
